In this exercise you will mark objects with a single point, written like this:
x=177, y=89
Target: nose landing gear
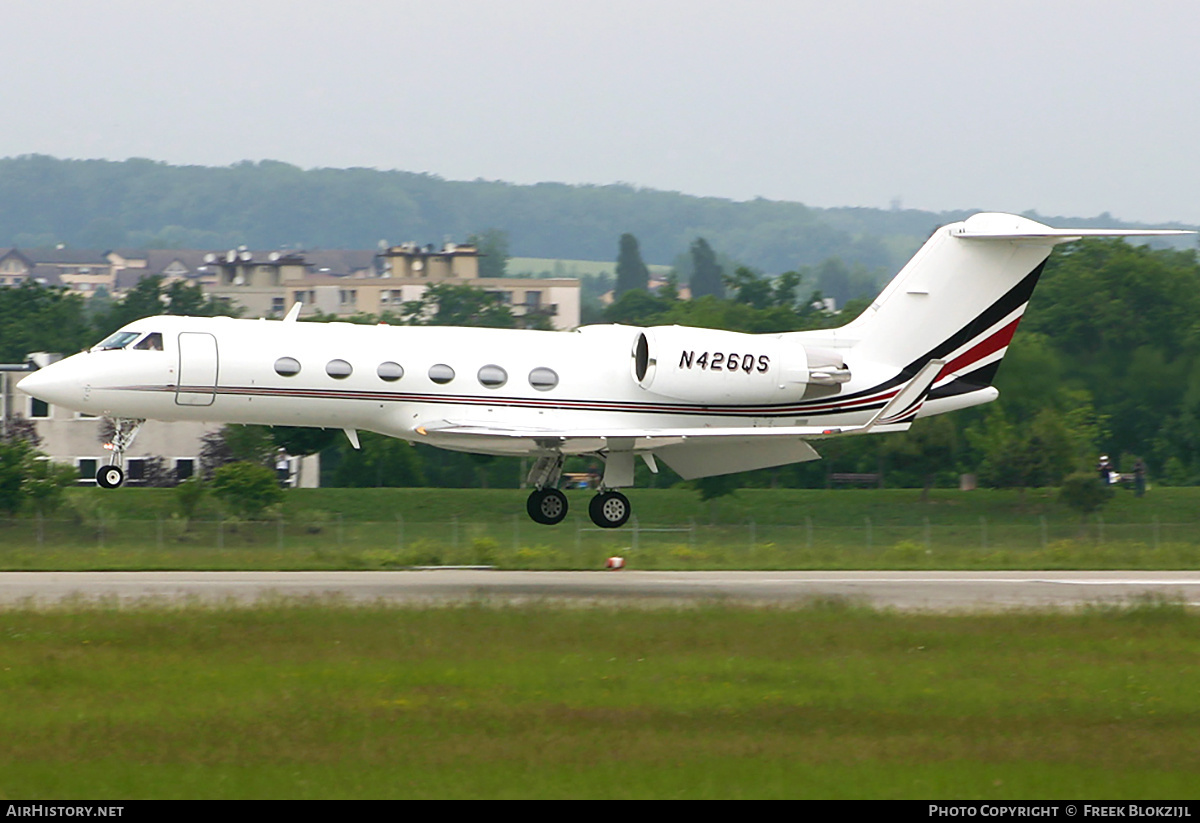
x=124, y=432
x=110, y=476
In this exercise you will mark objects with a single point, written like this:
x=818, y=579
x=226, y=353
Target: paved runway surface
x=937, y=591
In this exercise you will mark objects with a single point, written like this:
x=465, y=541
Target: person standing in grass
x=1139, y=477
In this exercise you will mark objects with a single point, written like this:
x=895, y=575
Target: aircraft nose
x=52, y=384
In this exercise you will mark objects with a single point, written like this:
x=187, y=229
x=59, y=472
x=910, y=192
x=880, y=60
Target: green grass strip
x=299, y=699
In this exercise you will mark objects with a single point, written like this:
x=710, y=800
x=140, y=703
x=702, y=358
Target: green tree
x=1084, y=492
x=45, y=484
x=750, y=288
x=631, y=271
x=785, y=289
x=15, y=457
x=1035, y=453
x=452, y=304
x=234, y=443
x=381, y=462
x=40, y=318
x=637, y=308
x=150, y=298
x=928, y=448
x=1122, y=321
x=188, y=495
x=493, y=252
x=26, y=477
x=298, y=440
x=247, y=489
x=706, y=273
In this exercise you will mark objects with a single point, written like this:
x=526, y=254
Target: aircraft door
x=197, y=369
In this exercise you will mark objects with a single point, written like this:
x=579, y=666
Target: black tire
x=610, y=510
x=547, y=506
x=109, y=477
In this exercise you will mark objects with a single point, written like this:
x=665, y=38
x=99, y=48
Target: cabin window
x=441, y=374
x=543, y=379
x=287, y=366
x=493, y=376
x=390, y=371
x=338, y=369
x=118, y=340
x=151, y=342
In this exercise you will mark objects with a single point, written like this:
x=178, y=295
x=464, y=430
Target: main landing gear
x=547, y=505
x=609, y=509
x=124, y=431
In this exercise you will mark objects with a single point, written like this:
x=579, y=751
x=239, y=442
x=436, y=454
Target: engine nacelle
x=710, y=366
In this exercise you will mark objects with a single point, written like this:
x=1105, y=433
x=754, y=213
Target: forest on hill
x=138, y=203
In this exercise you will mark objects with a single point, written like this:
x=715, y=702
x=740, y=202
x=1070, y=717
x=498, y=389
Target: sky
x=1066, y=108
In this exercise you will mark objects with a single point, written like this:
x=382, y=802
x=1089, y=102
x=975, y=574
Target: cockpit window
x=119, y=340
x=151, y=342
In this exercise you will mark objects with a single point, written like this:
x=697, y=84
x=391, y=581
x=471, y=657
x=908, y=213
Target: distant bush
x=1084, y=493
x=246, y=489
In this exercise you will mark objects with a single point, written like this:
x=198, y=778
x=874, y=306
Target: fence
x=576, y=543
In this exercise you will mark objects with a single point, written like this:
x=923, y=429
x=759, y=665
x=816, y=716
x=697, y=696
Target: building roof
x=69, y=257
x=15, y=252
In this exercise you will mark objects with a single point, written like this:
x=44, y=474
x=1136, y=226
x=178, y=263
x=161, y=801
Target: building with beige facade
x=269, y=284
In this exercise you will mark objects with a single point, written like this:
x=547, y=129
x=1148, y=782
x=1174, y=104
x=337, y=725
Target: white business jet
x=705, y=402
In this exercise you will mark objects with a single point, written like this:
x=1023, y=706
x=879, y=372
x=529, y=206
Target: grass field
x=753, y=529
x=321, y=700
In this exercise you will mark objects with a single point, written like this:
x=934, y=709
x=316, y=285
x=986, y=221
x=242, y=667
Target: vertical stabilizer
x=960, y=299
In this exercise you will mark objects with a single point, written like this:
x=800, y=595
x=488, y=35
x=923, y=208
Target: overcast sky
x=1069, y=108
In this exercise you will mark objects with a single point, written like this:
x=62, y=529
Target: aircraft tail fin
x=960, y=299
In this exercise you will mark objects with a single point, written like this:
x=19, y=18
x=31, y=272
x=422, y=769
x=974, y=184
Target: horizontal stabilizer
x=991, y=226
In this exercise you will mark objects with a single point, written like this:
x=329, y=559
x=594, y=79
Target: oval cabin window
x=543, y=379
x=390, y=371
x=441, y=374
x=338, y=369
x=287, y=366
x=493, y=376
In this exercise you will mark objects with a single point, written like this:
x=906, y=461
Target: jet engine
x=709, y=366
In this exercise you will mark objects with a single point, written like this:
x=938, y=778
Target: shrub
x=1084, y=492
x=247, y=489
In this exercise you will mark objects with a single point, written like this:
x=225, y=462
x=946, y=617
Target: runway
x=910, y=591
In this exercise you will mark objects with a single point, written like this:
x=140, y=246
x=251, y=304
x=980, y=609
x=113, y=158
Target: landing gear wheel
x=610, y=510
x=109, y=477
x=547, y=506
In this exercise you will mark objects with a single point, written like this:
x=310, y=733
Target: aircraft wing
x=692, y=451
